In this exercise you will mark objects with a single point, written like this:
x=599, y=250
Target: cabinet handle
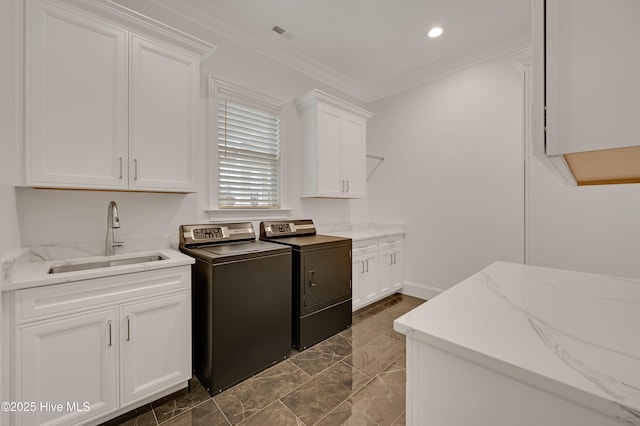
x=342, y=183
x=347, y=186
x=121, y=168
x=362, y=264
x=128, y=328
x=312, y=278
x=367, y=265
x=135, y=169
x=110, y=342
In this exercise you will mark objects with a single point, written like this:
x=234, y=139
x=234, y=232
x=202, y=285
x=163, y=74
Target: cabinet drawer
x=391, y=242
x=364, y=246
x=42, y=302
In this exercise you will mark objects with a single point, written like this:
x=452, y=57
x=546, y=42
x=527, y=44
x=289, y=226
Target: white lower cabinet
x=364, y=273
x=90, y=350
x=376, y=269
x=154, y=342
x=391, y=261
x=67, y=369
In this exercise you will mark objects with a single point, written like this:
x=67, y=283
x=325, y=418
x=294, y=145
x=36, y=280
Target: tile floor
x=356, y=377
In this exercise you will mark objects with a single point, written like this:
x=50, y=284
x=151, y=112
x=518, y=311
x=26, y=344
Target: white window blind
x=248, y=153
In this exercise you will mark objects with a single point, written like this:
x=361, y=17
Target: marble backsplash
x=373, y=228
x=74, y=250
x=93, y=248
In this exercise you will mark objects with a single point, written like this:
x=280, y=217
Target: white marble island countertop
x=573, y=334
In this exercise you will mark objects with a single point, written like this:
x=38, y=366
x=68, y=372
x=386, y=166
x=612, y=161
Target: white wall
x=453, y=172
x=592, y=228
x=52, y=216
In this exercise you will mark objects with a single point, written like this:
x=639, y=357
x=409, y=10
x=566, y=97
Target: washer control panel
x=197, y=235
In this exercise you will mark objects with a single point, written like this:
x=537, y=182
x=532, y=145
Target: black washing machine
x=241, y=302
x=321, y=279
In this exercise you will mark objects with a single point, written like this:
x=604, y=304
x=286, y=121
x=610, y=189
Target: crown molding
x=227, y=26
x=523, y=57
x=449, y=65
x=132, y=20
x=311, y=99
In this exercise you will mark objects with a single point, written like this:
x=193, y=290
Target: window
x=248, y=151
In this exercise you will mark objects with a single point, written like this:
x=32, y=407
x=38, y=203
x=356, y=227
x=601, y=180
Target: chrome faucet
x=113, y=221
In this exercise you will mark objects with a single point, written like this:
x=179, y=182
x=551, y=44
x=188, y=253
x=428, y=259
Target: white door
x=369, y=277
x=164, y=101
x=386, y=266
x=156, y=346
x=593, y=63
x=390, y=270
x=328, y=179
x=70, y=365
x=353, y=156
x=356, y=282
x=76, y=89
x=397, y=273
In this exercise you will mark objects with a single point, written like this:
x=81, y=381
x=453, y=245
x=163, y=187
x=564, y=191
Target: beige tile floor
x=356, y=377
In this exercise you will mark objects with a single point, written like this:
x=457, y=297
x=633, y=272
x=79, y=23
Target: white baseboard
x=420, y=291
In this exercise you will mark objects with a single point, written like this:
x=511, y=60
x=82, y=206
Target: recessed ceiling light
x=435, y=32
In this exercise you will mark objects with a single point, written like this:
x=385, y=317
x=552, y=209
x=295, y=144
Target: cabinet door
x=353, y=156
x=365, y=279
x=164, y=96
x=390, y=271
x=328, y=179
x=156, y=346
x=70, y=363
x=397, y=272
x=76, y=90
x=369, y=277
x=357, y=267
x=592, y=68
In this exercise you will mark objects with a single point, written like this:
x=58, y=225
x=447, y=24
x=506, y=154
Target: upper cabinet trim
x=141, y=24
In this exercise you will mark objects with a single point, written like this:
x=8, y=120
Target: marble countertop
x=27, y=274
x=570, y=333
x=362, y=231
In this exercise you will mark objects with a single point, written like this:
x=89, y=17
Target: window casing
x=249, y=151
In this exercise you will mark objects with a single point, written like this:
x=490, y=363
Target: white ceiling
x=367, y=48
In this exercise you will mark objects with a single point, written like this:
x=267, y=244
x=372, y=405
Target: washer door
x=327, y=277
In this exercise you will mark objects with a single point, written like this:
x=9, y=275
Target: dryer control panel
x=287, y=228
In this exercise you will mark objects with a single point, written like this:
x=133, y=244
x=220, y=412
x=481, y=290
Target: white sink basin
x=73, y=267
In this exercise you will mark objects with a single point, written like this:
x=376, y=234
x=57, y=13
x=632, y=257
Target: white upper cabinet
x=353, y=153
x=164, y=96
x=334, y=146
x=111, y=99
x=76, y=102
x=586, y=68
